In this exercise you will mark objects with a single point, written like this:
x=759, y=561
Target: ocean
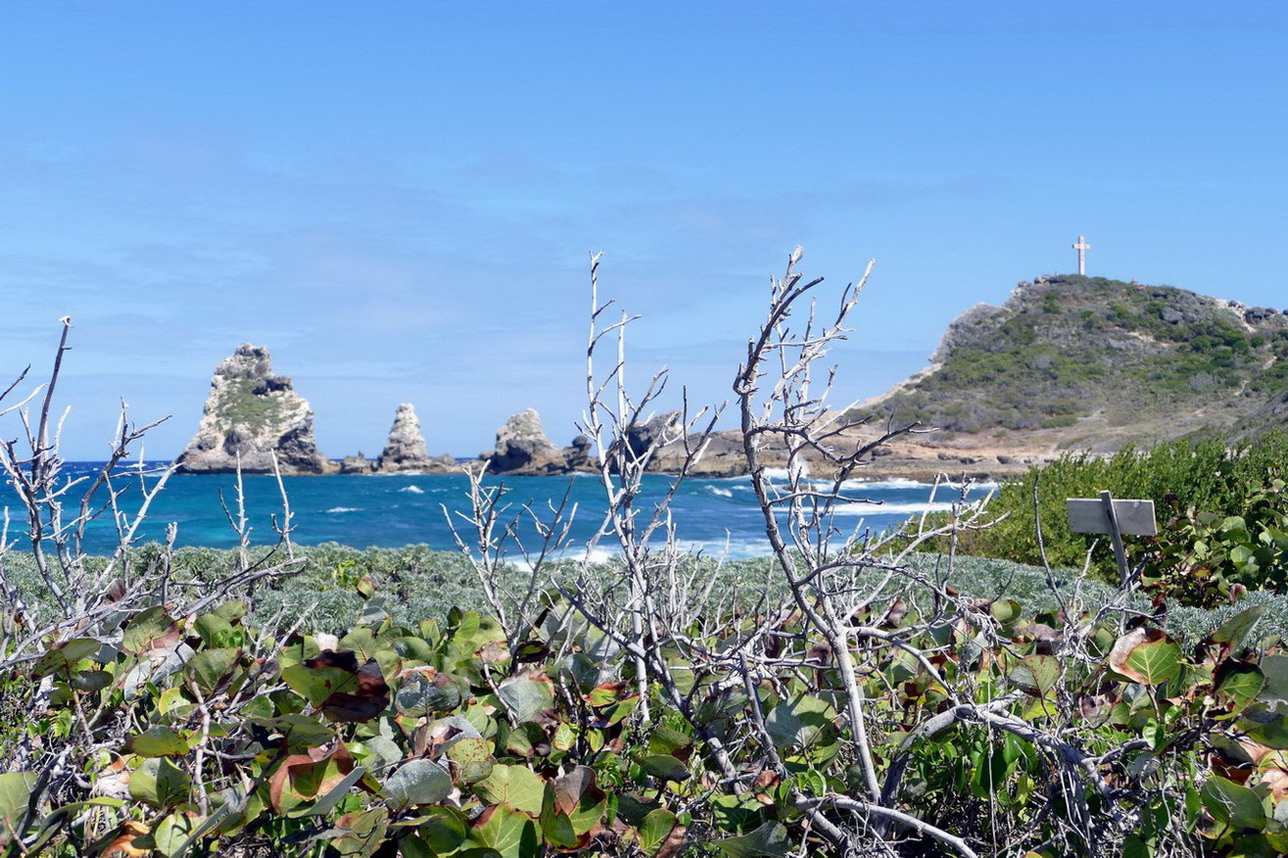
x=716, y=516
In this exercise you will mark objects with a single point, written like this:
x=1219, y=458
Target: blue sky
x=398, y=199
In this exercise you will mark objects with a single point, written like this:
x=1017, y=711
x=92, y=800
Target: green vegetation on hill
x=1067, y=348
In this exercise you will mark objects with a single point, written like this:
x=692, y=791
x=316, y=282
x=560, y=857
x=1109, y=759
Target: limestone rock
x=522, y=447
x=578, y=454
x=655, y=432
x=406, y=448
x=252, y=413
x=721, y=452
x=967, y=327
x=358, y=464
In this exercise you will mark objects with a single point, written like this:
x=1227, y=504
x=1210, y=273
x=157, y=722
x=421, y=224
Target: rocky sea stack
x=406, y=450
x=522, y=447
x=250, y=416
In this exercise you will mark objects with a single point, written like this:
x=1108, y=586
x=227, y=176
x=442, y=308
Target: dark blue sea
x=717, y=516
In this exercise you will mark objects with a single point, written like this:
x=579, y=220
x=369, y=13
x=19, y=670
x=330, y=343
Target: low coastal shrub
x=208, y=735
x=1222, y=514
x=416, y=582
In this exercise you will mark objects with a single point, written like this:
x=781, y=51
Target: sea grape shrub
x=1188, y=741
x=426, y=739
x=1205, y=558
x=204, y=734
x=1221, y=513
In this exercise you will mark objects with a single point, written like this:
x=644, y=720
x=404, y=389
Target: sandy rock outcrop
x=250, y=415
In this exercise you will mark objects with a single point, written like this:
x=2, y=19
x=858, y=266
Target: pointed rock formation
x=522, y=446
x=406, y=449
x=253, y=414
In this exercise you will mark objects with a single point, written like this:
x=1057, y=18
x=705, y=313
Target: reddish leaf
x=300, y=770
x=370, y=695
x=1234, y=770
x=607, y=693
x=571, y=787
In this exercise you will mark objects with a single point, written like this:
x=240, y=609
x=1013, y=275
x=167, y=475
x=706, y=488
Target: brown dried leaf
x=894, y=616
x=123, y=845
x=1045, y=638
x=1277, y=780
x=115, y=592
x=1255, y=750
x=674, y=843
x=297, y=766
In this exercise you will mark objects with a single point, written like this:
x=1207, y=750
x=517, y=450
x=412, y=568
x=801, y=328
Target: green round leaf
x=1235, y=805
x=526, y=698
x=417, y=782
x=159, y=783
x=516, y=786
x=664, y=766
x=158, y=742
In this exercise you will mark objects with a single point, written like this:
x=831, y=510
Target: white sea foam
x=905, y=483
x=719, y=491
x=336, y=510
x=784, y=473
x=892, y=483
x=889, y=508
x=599, y=555
x=416, y=490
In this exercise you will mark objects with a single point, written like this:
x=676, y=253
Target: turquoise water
x=716, y=515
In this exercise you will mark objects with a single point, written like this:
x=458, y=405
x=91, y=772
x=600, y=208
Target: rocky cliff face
x=249, y=416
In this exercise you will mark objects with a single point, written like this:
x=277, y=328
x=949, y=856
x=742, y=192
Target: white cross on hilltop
x=1082, y=247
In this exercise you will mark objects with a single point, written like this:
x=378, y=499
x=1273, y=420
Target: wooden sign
x=1134, y=517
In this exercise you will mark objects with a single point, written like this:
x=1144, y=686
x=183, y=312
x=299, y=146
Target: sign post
x=1116, y=518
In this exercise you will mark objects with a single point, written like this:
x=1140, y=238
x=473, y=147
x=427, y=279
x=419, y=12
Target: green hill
x=1096, y=363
